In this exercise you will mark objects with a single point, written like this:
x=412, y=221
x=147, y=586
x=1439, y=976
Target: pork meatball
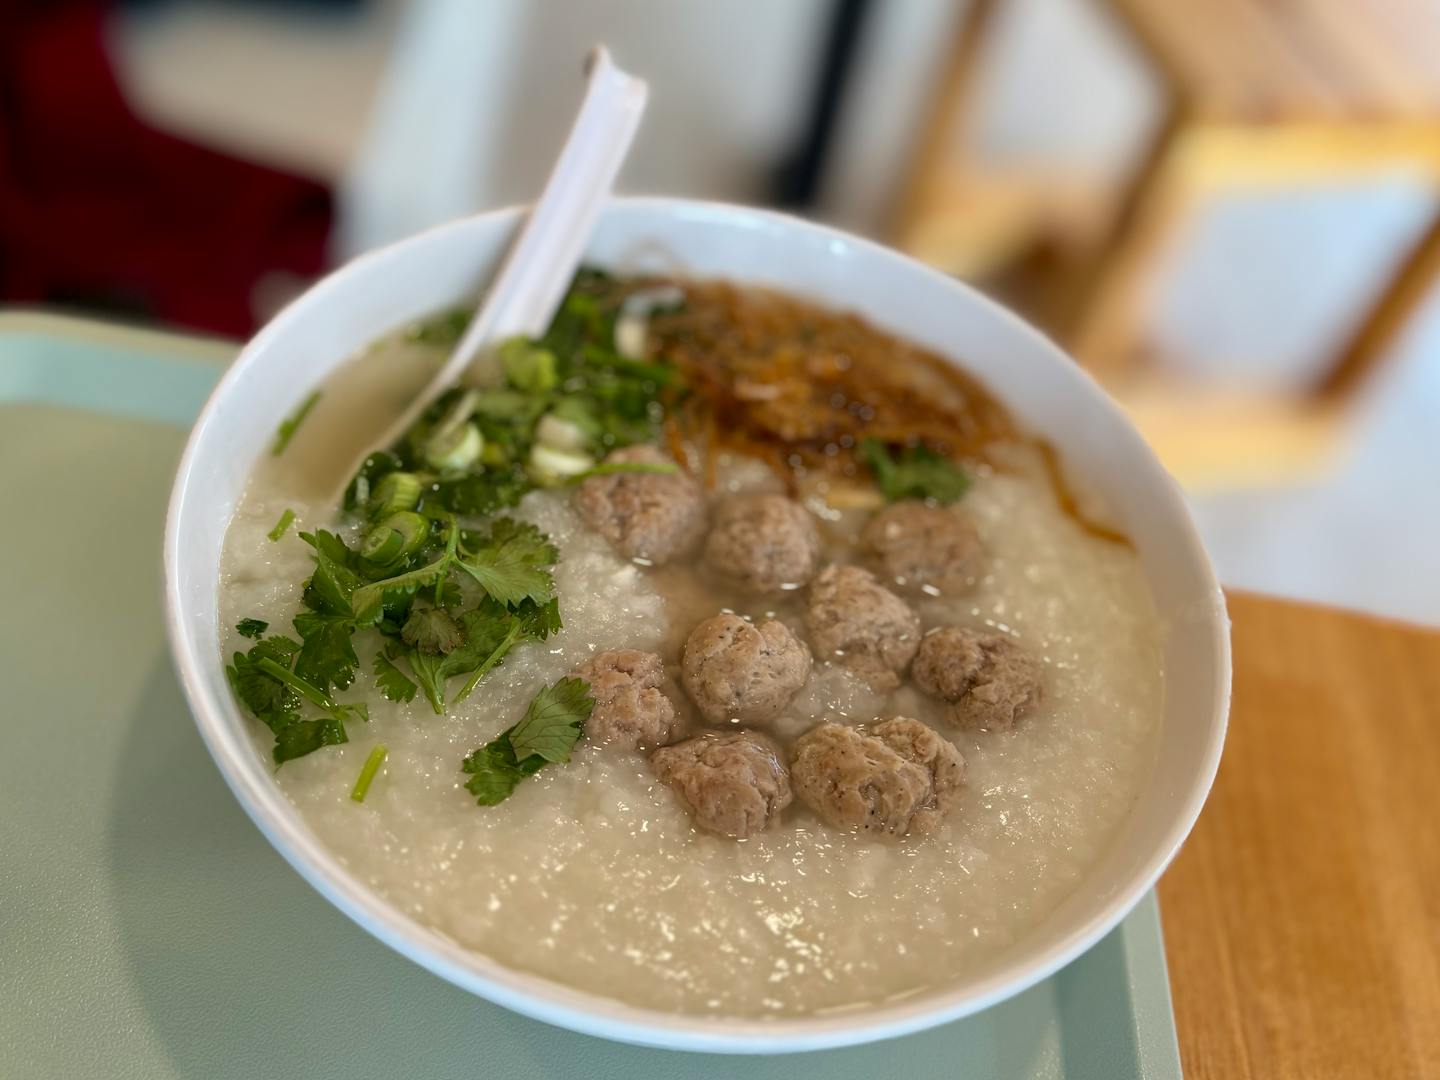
x=919, y=547
x=735, y=670
x=856, y=620
x=651, y=516
x=763, y=542
x=733, y=784
x=630, y=709
x=898, y=777
x=988, y=680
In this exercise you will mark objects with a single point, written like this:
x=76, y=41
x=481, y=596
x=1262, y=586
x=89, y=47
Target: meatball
x=735, y=670
x=733, y=784
x=630, y=709
x=854, y=618
x=989, y=680
x=923, y=547
x=898, y=777
x=652, y=516
x=763, y=543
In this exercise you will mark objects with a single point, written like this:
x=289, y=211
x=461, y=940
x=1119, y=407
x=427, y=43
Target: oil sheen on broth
x=593, y=873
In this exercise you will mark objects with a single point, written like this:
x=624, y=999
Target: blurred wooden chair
x=1259, y=95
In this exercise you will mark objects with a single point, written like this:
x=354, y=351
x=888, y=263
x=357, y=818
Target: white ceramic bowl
x=1044, y=390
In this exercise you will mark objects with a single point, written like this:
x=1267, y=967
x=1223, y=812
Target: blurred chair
x=1259, y=95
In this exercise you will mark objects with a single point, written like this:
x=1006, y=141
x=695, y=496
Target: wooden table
x=1302, y=918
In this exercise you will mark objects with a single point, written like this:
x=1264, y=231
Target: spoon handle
x=538, y=268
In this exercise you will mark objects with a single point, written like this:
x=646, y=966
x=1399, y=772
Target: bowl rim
x=592, y=1014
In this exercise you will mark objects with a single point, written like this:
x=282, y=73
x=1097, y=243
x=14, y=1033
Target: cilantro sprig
x=267, y=685
x=441, y=586
x=422, y=612
x=915, y=472
x=547, y=733
x=512, y=563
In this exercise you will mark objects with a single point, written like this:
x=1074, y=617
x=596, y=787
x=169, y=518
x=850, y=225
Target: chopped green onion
x=663, y=468
x=551, y=466
x=395, y=492
x=397, y=537
x=286, y=431
x=529, y=367
x=280, y=526
x=457, y=448
x=560, y=434
x=367, y=773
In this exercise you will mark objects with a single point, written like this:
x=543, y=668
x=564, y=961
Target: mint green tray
x=146, y=928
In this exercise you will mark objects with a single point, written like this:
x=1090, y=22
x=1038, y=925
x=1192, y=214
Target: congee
x=716, y=652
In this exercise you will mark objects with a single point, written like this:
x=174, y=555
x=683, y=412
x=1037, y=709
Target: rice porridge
x=596, y=872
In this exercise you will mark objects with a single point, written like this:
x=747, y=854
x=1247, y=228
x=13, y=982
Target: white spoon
x=538, y=268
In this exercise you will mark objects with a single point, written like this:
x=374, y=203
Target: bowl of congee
x=789, y=648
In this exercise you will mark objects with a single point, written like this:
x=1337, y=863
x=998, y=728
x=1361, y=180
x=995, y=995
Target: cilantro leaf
x=552, y=724
x=265, y=685
x=262, y=694
x=430, y=672
x=538, y=621
x=328, y=657
x=512, y=563
x=494, y=771
x=554, y=721
x=333, y=582
x=252, y=628
x=306, y=736
x=491, y=631
x=483, y=493
x=486, y=630
x=393, y=683
x=529, y=622
x=916, y=473
x=432, y=631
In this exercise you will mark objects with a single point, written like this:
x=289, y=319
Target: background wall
x=423, y=110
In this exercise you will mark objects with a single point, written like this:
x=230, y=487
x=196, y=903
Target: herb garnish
x=252, y=628
x=610, y=468
x=286, y=431
x=512, y=563
x=393, y=683
x=439, y=585
x=282, y=525
x=423, y=612
x=549, y=730
x=367, y=773
x=916, y=472
x=265, y=683
x=573, y=375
